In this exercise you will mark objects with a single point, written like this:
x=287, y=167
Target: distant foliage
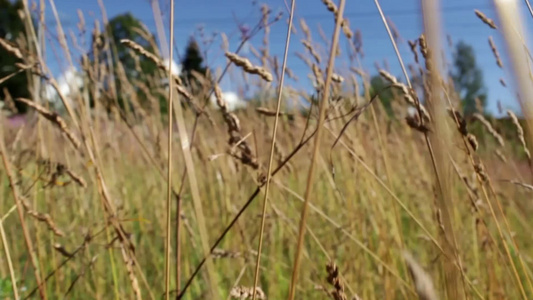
x=468, y=79
x=11, y=28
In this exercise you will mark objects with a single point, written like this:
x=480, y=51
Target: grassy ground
x=79, y=196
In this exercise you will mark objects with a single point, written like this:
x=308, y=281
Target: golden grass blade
x=272, y=147
x=20, y=211
x=7, y=257
x=438, y=142
x=169, y=158
x=310, y=175
x=423, y=282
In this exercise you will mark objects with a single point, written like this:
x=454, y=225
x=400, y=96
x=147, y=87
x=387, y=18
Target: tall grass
x=358, y=201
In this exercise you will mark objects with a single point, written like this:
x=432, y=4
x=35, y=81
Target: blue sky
x=218, y=16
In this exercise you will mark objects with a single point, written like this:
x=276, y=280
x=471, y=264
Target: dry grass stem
x=11, y=48
x=247, y=66
x=45, y=218
x=423, y=282
x=55, y=119
x=519, y=133
x=335, y=280
x=495, y=52
x=485, y=19
x=243, y=292
x=490, y=129
x=269, y=112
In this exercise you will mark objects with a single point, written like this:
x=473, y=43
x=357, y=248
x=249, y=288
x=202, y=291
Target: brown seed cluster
x=489, y=128
x=221, y=253
x=269, y=112
x=423, y=283
x=45, y=218
x=485, y=19
x=247, y=66
x=461, y=127
x=495, y=52
x=55, y=119
x=9, y=47
x=410, y=97
x=242, y=292
x=519, y=133
x=311, y=50
x=345, y=25
x=335, y=280
x=236, y=141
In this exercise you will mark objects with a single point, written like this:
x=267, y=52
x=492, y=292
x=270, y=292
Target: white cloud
x=69, y=83
x=176, y=69
x=233, y=101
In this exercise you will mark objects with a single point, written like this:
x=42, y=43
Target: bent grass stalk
x=272, y=147
x=310, y=175
x=169, y=158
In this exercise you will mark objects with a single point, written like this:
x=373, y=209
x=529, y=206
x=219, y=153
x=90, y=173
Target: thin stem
x=272, y=146
x=239, y=214
x=310, y=178
x=9, y=261
x=20, y=211
x=529, y=7
x=169, y=160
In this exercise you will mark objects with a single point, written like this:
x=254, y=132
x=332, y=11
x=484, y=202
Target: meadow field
x=129, y=189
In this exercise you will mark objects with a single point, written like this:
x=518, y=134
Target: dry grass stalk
x=45, y=218
x=311, y=50
x=489, y=128
x=236, y=141
x=59, y=248
x=461, y=127
x=134, y=46
x=247, y=66
x=54, y=118
x=335, y=280
x=11, y=48
x=319, y=77
x=269, y=112
x=20, y=211
x=422, y=43
x=221, y=253
x=315, y=152
x=305, y=29
x=332, y=7
x=501, y=156
x=58, y=169
x=519, y=133
x=414, y=122
x=485, y=19
x=495, y=52
x=526, y=186
x=242, y=292
x=423, y=283
x=457, y=117
x=345, y=25
x=129, y=263
x=480, y=170
x=412, y=46
x=472, y=141
x=337, y=78
x=408, y=95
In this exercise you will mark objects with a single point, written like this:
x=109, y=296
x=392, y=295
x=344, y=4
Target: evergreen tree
x=468, y=78
x=12, y=27
x=192, y=61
